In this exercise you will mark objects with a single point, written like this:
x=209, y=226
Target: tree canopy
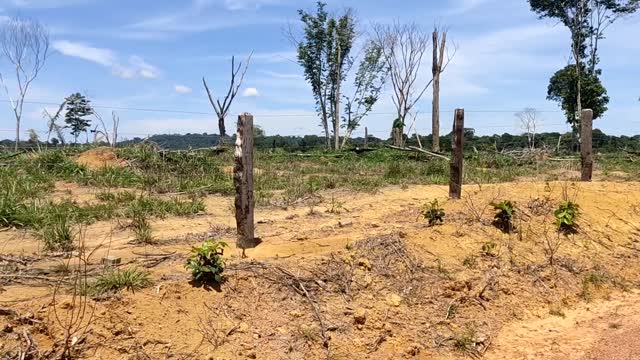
x=563, y=89
x=77, y=108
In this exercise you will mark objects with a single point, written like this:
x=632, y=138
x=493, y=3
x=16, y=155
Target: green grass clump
x=141, y=228
x=158, y=207
x=113, y=281
x=57, y=232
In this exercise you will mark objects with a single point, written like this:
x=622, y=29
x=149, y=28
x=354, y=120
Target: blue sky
x=152, y=55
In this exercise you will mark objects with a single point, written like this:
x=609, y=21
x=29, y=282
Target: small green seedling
x=505, y=211
x=566, y=216
x=489, y=249
x=206, y=262
x=434, y=213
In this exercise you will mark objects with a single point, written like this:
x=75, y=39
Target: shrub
x=433, y=213
x=112, y=281
x=206, y=262
x=505, y=210
x=566, y=216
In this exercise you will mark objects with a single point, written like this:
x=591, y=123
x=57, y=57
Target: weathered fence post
x=366, y=137
x=586, y=146
x=455, y=179
x=243, y=181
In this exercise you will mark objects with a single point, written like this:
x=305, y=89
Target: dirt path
x=604, y=330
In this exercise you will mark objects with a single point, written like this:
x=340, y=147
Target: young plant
x=206, y=262
x=566, y=216
x=505, y=211
x=489, y=249
x=433, y=213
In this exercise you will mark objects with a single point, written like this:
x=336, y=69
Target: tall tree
x=222, y=108
x=439, y=64
x=324, y=54
x=587, y=21
x=78, y=107
x=368, y=82
x=339, y=47
x=403, y=48
x=563, y=89
x=25, y=45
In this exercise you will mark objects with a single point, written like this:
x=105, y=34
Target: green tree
x=324, y=54
x=586, y=20
x=77, y=108
x=563, y=90
x=368, y=82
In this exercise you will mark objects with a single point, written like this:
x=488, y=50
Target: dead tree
x=25, y=44
x=110, y=138
x=403, y=47
x=529, y=122
x=52, y=124
x=439, y=65
x=222, y=108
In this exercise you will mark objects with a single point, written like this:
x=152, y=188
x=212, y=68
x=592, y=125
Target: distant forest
x=601, y=142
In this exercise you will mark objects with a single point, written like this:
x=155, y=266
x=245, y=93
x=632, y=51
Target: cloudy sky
x=145, y=59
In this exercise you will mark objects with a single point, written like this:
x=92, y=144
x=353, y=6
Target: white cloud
x=181, y=89
x=135, y=67
x=100, y=56
x=250, y=92
x=279, y=75
x=201, y=16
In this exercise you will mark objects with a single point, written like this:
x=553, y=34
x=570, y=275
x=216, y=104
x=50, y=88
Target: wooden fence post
x=457, y=143
x=243, y=181
x=586, y=146
x=366, y=138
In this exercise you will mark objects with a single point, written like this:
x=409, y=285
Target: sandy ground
x=516, y=312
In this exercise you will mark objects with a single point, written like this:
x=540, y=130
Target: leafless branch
x=404, y=46
x=222, y=108
x=25, y=44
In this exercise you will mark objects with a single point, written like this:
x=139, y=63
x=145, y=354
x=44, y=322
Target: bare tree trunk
x=435, y=119
x=336, y=125
x=222, y=129
x=17, y=133
x=435, y=105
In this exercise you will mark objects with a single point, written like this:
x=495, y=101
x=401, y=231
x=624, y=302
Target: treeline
x=601, y=142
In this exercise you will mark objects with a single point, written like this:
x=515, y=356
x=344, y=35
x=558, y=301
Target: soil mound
x=99, y=158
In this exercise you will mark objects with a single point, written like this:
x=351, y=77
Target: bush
x=206, y=262
x=433, y=213
x=566, y=216
x=505, y=210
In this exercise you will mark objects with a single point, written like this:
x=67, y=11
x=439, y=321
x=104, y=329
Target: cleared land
x=348, y=268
